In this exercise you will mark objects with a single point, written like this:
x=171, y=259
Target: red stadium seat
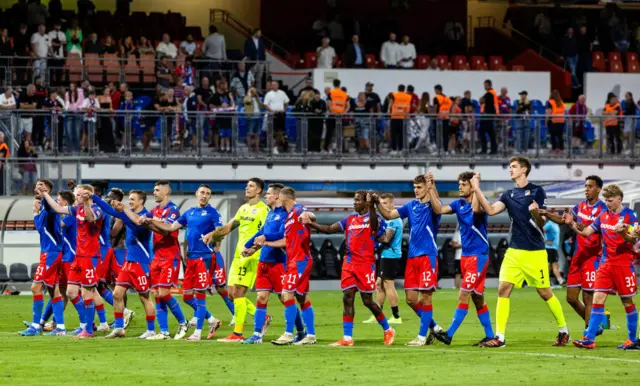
x=460, y=62
x=371, y=60
x=112, y=67
x=632, y=57
x=132, y=70
x=478, y=63
x=443, y=62
x=73, y=65
x=495, y=63
x=340, y=61
x=293, y=59
x=597, y=61
x=94, y=68
x=310, y=60
x=517, y=67
x=148, y=66
x=423, y=62
x=616, y=67
x=615, y=57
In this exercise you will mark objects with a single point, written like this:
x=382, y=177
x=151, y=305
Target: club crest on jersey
x=511, y=194
x=276, y=218
x=527, y=193
x=254, y=211
x=203, y=213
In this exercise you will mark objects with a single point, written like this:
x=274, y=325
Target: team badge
x=527, y=193
x=254, y=211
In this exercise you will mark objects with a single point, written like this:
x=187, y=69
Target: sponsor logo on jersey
x=586, y=217
x=358, y=226
x=247, y=218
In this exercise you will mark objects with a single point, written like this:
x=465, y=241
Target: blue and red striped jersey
x=359, y=239
x=297, y=235
x=88, y=237
x=616, y=250
x=47, y=224
x=587, y=214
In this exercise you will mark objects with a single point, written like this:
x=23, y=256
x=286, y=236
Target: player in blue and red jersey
x=135, y=271
x=47, y=224
x=199, y=221
x=584, y=263
x=165, y=267
x=297, y=241
x=421, y=272
x=474, y=261
x=616, y=273
x=361, y=230
x=83, y=270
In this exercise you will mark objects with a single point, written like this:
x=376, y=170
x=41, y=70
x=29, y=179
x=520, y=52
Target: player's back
x=138, y=241
x=199, y=222
x=616, y=250
x=251, y=219
x=473, y=228
x=525, y=233
x=359, y=237
x=273, y=224
x=69, y=230
x=297, y=236
x=47, y=224
x=88, y=233
x=166, y=246
x=424, y=225
x=586, y=214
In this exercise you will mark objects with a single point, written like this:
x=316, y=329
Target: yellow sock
x=240, y=308
x=556, y=310
x=251, y=308
x=502, y=315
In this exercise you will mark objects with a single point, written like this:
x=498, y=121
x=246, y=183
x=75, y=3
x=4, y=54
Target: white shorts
x=26, y=125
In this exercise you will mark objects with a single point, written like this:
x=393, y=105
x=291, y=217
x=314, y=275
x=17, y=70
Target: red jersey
x=88, y=234
x=360, y=242
x=586, y=214
x=616, y=250
x=166, y=246
x=297, y=236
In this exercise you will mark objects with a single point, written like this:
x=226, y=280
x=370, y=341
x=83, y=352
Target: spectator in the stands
x=186, y=71
x=163, y=73
x=373, y=99
x=523, y=128
x=58, y=43
x=389, y=52
x=487, y=123
x=354, y=56
x=620, y=32
x=584, y=52
x=555, y=110
x=7, y=99
x=542, y=24
x=214, y=48
x=145, y=47
x=252, y=108
x=433, y=65
x=90, y=108
x=308, y=86
x=504, y=101
x=315, y=124
x=74, y=99
x=26, y=154
x=40, y=50
x=104, y=134
x=255, y=53
x=578, y=113
x=570, y=54
x=28, y=100
x=613, y=111
x=93, y=46
x=326, y=54
x=37, y=13
x=5, y=50
x=22, y=49
x=74, y=39
x=128, y=47
x=179, y=90
x=241, y=81
x=114, y=94
x=166, y=47
x=223, y=102
x=188, y=46
x=276, y=102
x=110, y=46
x=629, y=112
x=406, y=53
x=454, y=33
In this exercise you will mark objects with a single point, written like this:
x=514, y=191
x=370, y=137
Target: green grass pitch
x=527, y=359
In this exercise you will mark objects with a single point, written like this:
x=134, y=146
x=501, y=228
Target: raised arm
x=475, y=205
x=374, y=224
x=54, y=205
x=434, y=197
x=388, y=235
x=384, y=212
x=490, y=209
x=108, y=209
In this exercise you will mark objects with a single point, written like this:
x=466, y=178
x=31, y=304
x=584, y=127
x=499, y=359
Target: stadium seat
x=340, y=61
x=73, y=68
x=94, y=68
x=310, y=60
x=495, y=63
x=460, y=62
x=478, y=63
x=34, y=268
x=148, y=66
x=517, y=67
x=4, y=277
x=18, y=272
x=329, y=256
x=112, y=67
x=616, y=67
x=443, y=62
x=597, y=61
x=318, y=270
x=131, y=70
x=371, y=60
x=423, y=62
x=633, y=67
x=615, y=57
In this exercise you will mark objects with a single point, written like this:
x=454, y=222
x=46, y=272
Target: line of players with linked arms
x=276, y=258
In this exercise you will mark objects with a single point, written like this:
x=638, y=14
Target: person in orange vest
x=442, y=105
x=487, y=124
x=338, y=105
x=399, y=108
x=555, y=111
x=613, y=113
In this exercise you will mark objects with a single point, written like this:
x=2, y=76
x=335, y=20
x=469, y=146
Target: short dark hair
x=288, y=191
x=465, y=176
x=213, y=29
x=386, y=195
x=361, y=193
x=438, y=87
x=420, y=179
x=595, y=179
x=204, y=186
x=276, y=186
x=68, y=196
x=164, y=183
x=258, y=181
x=523, y=162
x=100, y=185
x=488, y=82
x=118, y=193
x=410, y=88
x=140, y=194
x=401, y=87
x=47, y=183
x=336, y=83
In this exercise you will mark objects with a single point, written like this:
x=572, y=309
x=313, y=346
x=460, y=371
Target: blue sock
x=38, y=303
x=48, y=310
x=151, y=322
x=425, y=320
x=597, y=316
x=347, y=325
x=193, y=303
x=78, y=303
x=259, y=317
x=485, y=320
x=119, y=319
x=382, y=321
x=632, y=322
x=58, y=309
x=309, y=318
x=299, y=324
x=171, y=303
x=458, y=317
x=433, y=323
x=89, y=315
x=107, y=295
x=201, y=311
x=290, y=310
x=228, y=302
x=102, y=315
x=161, y=314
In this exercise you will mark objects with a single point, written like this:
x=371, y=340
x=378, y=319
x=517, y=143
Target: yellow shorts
x=243, y=272
x=520, y=265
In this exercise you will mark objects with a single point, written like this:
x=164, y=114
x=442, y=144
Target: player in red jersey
x=297, y=241
x=584, y=264
x=361, y=230
x=83, y=271
x=617, y=272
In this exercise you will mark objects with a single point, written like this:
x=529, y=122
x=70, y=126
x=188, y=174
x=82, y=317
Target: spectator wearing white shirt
x=58, y=42
x=166, y=47
x=433, y=66
x=7, y=99
x=326, y=54
x=40, y=49
x=389, y=52
x=188, y=47
x=406, y=53
x=276, y=102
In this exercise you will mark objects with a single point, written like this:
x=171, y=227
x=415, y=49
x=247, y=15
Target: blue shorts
x=253, y=126
x=224, y=133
